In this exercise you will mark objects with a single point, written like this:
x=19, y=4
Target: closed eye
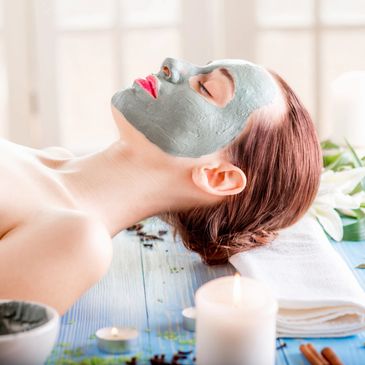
x=204, y=89
x=216, y=87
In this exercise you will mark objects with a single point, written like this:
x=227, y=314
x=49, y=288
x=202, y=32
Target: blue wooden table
x=147, y=287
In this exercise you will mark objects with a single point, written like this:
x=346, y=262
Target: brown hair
x=282, y=162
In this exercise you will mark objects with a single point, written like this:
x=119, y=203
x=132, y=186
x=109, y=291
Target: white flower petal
x=327, y=199
x=348, y=213
x=359, y=197
x=344, y=181
x=330, y=221
x=342, y=201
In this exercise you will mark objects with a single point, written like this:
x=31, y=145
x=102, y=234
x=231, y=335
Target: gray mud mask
x=181, y=121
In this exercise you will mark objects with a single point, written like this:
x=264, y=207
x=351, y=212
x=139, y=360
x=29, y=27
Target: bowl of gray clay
x=28, y=332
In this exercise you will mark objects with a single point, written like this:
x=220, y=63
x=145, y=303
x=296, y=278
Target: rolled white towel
x=318, y=294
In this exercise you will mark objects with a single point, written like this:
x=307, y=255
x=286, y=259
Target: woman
x=235, y=159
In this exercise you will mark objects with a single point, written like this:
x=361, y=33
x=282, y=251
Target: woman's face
x=189, y=110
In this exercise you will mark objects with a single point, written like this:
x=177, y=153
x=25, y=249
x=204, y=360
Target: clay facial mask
x=20, y=316
x=178, y=119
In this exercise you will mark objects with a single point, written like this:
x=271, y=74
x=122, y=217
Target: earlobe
x=222, y=179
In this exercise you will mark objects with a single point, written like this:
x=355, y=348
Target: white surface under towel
x=318, y=294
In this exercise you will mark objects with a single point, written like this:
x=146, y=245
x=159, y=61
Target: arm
x=54, y=259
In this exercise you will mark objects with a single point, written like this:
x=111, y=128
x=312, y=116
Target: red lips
x=149, y=84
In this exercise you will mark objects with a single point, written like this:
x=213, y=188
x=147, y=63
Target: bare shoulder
x=66, y=225
x=80, y=220
x=54, y=257
x=77, y=224
x=58, y=152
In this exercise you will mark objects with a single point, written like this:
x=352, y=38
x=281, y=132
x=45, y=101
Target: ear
x=220, y=179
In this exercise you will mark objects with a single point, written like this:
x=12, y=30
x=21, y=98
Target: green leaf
x=354, y=231
x=329, y=159
x=359, y=213
x=344, y=160
x=77, y=352
x=329, y=145
x=357, y=189
x=347, y=167
x=358, y=162
x=347, y=213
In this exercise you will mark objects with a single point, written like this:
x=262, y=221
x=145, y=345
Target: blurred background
x=62, y=60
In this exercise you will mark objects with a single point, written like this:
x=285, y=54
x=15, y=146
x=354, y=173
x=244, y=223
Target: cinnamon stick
x=312, y=355
x=330, y=355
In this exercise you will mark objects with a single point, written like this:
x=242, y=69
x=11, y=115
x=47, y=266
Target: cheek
x=216, y=90
x=221, y=92
x=193, y=82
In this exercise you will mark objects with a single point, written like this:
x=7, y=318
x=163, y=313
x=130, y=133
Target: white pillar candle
x=348, y=108
x=235, y=322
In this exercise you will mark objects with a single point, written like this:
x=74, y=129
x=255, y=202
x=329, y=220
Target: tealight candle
x=235, y=322
x=116, y=339
x=189, y=315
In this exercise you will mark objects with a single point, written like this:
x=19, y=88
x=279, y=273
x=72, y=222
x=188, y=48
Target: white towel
x=318, y=295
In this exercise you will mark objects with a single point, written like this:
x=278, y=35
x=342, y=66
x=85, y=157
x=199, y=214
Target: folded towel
x=317, y=293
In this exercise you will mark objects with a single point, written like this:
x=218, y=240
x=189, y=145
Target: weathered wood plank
x=116, y=300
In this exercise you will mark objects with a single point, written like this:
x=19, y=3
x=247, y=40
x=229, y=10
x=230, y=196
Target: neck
x=122, y=187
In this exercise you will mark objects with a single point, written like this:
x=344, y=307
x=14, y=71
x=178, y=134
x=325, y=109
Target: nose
x=173, y=70
x=166, y=70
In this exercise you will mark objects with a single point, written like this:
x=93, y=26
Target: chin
x=128, y=133
x=124, y=126
x=118, y=115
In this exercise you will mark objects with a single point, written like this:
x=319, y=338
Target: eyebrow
x=227, y=74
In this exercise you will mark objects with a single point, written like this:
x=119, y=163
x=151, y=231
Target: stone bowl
x=33, y=345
